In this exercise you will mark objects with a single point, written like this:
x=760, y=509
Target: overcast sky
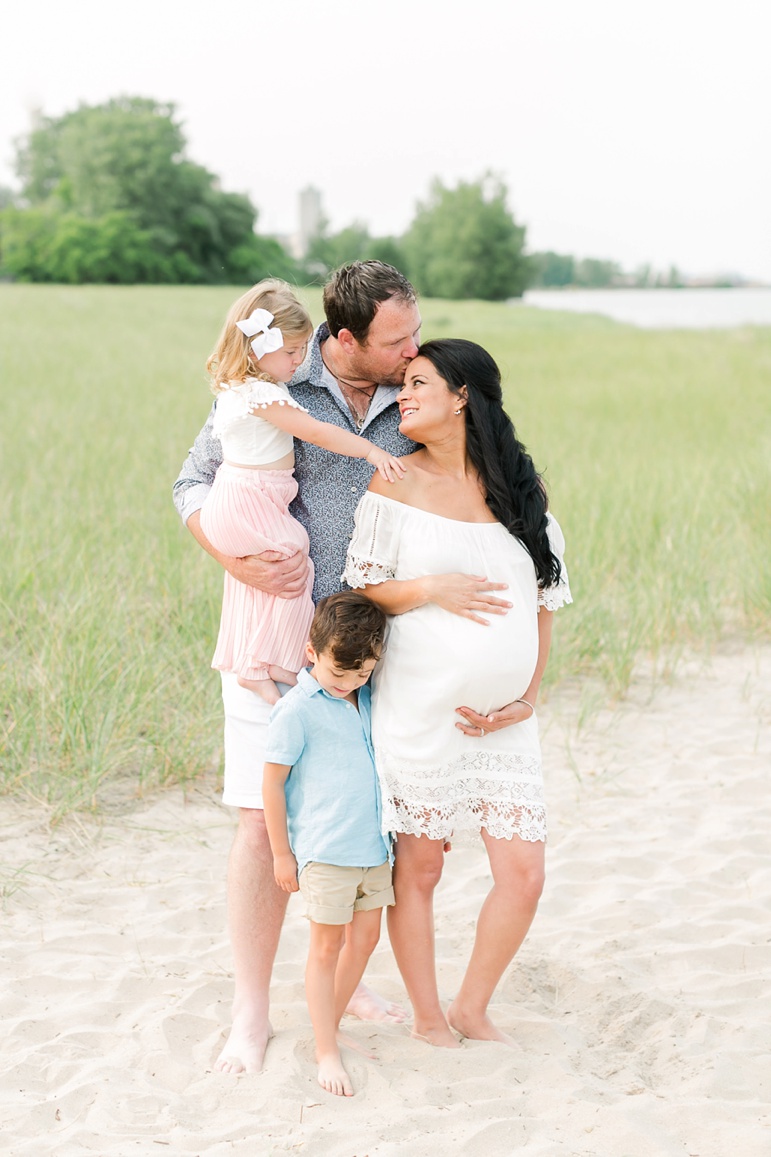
x=637, y=131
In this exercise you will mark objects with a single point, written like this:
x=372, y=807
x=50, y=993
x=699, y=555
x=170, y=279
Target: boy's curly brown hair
x=349, y=628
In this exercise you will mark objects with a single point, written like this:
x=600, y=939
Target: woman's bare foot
x=439, y=1034
x=265, y=688
x=476, y=1027
x=369, y=1005
x=333, y=1077
x=244, y=1050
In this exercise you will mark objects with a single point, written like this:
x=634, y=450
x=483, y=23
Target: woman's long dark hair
x=514, y=490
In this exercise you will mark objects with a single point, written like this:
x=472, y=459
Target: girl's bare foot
x=265, y=688
x=281, y=675
x=476, y=1026
x=333, y=1077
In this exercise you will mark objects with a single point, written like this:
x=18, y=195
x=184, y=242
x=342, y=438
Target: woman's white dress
x=436, y=780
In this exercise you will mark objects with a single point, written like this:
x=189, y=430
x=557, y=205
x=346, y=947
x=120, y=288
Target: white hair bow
x=268, y=340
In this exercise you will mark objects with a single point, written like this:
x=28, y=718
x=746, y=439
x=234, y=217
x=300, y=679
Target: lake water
x=663, y=308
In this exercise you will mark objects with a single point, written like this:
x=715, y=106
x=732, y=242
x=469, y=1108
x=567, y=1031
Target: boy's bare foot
x=369, y=1005
x=475, y=1027
x=265, y=688
x=244, y=1050
x=333, y=1077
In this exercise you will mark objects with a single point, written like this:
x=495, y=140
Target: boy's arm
x=274, y=803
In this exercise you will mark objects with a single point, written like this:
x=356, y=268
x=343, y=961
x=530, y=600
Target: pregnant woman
x=465, y=560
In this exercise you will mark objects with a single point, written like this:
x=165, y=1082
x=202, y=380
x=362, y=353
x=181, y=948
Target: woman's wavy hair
x=514, y=491
x=232, y=360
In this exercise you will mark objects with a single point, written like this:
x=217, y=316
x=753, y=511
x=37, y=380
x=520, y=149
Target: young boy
x=322, y=812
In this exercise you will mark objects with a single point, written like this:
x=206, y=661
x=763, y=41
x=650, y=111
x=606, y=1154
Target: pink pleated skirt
x=247, y=512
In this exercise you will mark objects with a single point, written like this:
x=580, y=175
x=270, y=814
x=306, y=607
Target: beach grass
x=655, y=446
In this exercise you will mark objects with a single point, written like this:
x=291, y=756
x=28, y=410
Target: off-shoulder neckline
x=432, y=514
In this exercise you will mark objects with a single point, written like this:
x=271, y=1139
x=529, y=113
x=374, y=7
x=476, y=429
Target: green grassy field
x=656, y=448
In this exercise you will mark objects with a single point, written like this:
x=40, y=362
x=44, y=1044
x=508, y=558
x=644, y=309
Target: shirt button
x=353, y=490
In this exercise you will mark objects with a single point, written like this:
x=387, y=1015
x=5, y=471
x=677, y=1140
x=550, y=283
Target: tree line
x=107, y=195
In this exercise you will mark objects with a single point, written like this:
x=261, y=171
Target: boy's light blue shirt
x=332, y=792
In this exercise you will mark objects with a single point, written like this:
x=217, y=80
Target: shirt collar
x=311, y=372
x=307, y=683
x=310, y=687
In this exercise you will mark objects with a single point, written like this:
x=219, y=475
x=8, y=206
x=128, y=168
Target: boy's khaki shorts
x=332, y=894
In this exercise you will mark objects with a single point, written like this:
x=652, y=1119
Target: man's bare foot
x=333, y=1077
x=440, y=1035
x=265, y=688
x=244, y=1050
x=476, y=1027
x=369, y=1005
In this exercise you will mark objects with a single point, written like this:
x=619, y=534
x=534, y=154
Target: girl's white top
x=246, y=439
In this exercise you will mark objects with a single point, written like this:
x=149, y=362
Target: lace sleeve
x=260, y=394
x=372, y=551
x=552, y=598
x=241, y=399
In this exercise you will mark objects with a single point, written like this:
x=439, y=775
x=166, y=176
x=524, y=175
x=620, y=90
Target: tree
x=329, y=250
x=464, y=243
x=594, y=273
x=104, y=172
x=552, y=269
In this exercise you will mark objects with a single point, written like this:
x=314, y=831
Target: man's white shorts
x=246, y=732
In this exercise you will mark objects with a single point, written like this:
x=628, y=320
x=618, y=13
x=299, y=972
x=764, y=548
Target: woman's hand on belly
x=466, y=595
x=475, y=724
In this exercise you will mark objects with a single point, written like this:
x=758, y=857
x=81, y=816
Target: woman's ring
x=481, y=730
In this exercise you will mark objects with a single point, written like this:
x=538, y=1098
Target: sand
x=639, y=1002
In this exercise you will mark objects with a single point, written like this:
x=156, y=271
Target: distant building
x=311, y=220
x=310, y=224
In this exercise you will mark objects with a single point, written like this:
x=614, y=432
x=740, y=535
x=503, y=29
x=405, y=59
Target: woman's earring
x=460, y=411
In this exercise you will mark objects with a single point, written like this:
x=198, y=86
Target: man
x=353, y=371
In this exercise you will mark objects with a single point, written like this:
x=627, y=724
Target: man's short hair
x=354, y=292
x=349, y=628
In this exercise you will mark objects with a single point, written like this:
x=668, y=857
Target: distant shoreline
x=701, y=307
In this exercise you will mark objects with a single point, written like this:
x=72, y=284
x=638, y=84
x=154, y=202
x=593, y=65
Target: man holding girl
x=351, y=375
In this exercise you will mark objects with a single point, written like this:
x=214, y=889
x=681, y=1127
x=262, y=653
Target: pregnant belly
x=436, y=662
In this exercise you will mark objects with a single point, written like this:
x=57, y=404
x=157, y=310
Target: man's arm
x=283, y=578
x=198, y=470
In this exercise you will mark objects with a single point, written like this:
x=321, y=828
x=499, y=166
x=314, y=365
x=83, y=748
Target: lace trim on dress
x=361, y=572
x=552, y=598
x=501, y=792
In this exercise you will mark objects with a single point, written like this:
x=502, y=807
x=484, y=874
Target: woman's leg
x=417, y=870
x=507, y=913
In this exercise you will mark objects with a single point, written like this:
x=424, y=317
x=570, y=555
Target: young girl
x=262, y=638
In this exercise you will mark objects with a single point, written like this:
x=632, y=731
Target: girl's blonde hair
x=232, y=359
